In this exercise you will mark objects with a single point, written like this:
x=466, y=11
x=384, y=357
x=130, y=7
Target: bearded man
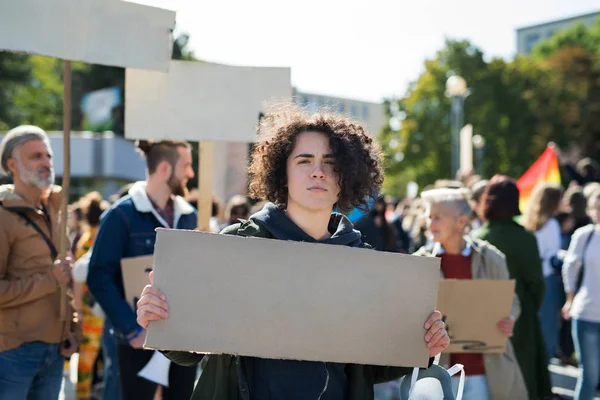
x=34, y=339
x=128, y=230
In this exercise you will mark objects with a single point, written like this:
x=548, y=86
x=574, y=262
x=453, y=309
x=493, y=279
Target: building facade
x=529, y=36
x=372, y=115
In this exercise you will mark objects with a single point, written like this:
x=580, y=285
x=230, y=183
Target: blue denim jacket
x=128, y=229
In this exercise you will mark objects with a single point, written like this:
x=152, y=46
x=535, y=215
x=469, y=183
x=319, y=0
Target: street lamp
x=479, y=144
x=456, y=89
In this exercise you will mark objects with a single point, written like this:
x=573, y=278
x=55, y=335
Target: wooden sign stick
x=66, y=180
x=206, y=153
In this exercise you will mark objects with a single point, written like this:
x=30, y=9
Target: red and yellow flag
x=545, y=169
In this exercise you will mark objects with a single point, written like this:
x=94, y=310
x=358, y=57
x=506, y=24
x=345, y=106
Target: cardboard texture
x=472, y=309
x=135, y=277
x=291, y=300
x=116, y=33
x=201, y=101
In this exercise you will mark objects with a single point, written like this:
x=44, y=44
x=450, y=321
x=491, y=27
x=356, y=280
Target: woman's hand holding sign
x=152, y=305
x=437, y=338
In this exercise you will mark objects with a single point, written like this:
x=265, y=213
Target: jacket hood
x=274, y=219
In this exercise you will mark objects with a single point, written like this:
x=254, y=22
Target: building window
x=530, y=41
x=365, y=112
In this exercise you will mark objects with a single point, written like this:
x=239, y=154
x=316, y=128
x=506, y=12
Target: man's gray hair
x=15, y=138
x=457, y=199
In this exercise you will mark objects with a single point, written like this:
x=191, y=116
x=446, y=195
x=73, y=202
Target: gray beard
x=34, y=178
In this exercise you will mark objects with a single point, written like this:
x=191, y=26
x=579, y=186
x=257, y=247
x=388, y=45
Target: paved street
x=564, y=379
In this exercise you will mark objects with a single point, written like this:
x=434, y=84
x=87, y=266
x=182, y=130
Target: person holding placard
x=34, y=339
x=128, y=230
x=489, y=376
x=305, y=165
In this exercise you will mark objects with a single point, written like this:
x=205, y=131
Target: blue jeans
x=476, y=387
x=32, y=371
x=586, y=336
x=550, y=313
x=112, y=383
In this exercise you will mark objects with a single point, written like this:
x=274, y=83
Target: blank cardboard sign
x=107, y=32
x=135, y=277
x=201, y=101
x=472, y=309
x=290, y=300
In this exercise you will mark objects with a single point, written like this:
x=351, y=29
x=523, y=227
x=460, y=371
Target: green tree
x=587, y=38
x=500, y=108
x=15, y=71
x=573, y=57
x=31, y=88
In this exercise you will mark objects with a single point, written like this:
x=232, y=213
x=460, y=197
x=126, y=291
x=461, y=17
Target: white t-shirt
x=586, y=305
x=549, y=243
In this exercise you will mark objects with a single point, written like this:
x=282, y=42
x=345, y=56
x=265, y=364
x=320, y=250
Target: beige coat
x=29, y=293
x=502, y=370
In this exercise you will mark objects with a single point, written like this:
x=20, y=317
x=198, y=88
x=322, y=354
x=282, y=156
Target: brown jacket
x=29, y=293
x=503, y=373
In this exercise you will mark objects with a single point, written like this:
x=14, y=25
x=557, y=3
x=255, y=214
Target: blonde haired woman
x=581, y=274
x=539, y=218
x=489, y=376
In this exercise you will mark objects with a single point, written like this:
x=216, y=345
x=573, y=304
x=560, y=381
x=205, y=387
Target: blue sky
x=350, y=48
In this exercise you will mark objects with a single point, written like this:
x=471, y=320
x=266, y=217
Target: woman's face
x=595, y=212
x=444, y=223
x=311, y=179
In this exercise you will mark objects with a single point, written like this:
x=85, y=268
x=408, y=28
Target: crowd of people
x=308, y=171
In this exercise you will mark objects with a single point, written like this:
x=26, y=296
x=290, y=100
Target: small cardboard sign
x=116, y=33
x=292, y=300
x=471, y=310
x=135, y=272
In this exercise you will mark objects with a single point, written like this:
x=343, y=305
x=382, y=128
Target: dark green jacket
x=525, y=267
x=226, y=377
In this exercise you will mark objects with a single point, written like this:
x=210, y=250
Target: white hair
x=457, y=199
x=13, y=140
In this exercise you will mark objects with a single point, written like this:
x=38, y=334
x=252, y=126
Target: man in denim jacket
x=128, y=230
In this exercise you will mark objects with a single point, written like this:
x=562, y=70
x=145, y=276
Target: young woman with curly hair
x=305, y=166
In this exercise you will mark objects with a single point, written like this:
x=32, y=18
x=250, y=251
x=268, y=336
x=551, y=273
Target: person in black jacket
x=305, y=165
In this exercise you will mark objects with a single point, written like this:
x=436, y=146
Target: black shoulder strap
x=39, y=230
x=585, y=247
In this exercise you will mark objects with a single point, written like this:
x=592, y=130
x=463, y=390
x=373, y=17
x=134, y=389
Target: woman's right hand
x=566, y=310
x=151, y=306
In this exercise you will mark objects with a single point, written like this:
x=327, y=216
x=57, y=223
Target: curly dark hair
x=357, y=155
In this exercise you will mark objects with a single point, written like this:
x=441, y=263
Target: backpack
x=432, y=383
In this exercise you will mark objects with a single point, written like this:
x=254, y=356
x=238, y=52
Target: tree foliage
x=15, y=71
x=31, y=88
x=517, y=106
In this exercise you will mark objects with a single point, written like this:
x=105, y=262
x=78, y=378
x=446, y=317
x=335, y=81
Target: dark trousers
x=131, y=361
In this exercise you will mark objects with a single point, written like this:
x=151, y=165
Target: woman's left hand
x=437, y=338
